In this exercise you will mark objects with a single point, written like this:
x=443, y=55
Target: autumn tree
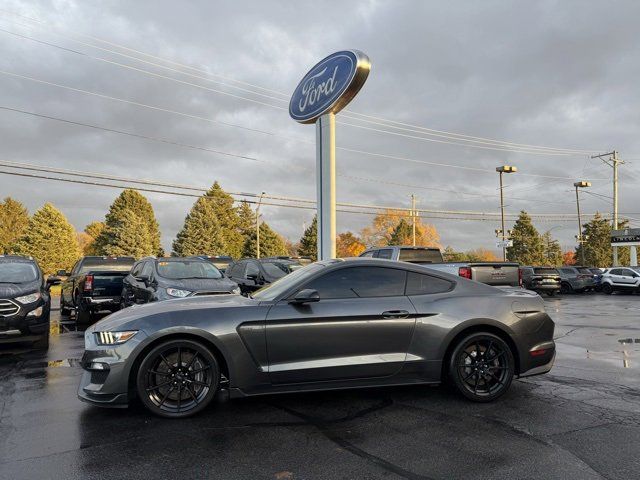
x=451, y=255
x=14, y=219
x=383, y=226
x=569, y=258
x=481, y=255
x=309, y=241
x=91, y=233
x=348, y=245
x=50, y=239
x=528, y=248
x=201, y=232
x=271, y=244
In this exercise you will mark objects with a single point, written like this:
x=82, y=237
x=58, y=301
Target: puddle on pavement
x=628, y=353
x=59, y=327
x=625, y=351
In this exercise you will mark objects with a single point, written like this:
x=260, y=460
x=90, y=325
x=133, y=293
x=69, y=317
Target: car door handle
x=395, y=314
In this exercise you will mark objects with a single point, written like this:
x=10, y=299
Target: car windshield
x=277, y=288
x=19, y=272
x=107, y=264
x=183, y=269
x=420, y=255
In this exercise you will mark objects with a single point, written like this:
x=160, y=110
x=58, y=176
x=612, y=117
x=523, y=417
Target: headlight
x=35, y=313
x=32, y=297
x=174, y=292
x=114, y=338
x=236, y=290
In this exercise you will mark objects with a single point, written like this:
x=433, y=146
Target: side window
x=360, y=282
x=252, y=269
x=615, y=271
x=137, y=268
x=385, y=253
x=419, y=284
x=367, y=254
x=76, y=267
x=567, y=270
x=147, y=270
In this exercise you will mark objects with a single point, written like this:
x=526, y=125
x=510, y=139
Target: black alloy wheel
x=482, y=367
x=178, y=378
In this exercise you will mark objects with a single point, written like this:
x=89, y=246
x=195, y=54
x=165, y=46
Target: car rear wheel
x=606, y=288
x=178, y=378
x=565, y=288
x=482, y=367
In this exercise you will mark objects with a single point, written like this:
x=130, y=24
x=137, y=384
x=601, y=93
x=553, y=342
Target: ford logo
x=329, y=86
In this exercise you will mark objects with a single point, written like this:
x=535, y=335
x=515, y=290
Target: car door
x=361, y=327
x=627, y=277
x=615, y=274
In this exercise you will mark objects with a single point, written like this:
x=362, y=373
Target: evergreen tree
x=50, y=239
x=450, y=255
x=222, y=204
x=598, y=251
x=246, y=220
x=14, y=219
x=93, y=232
x=127, y=234
x=552, y=250
x=528, y=248
x=271, y=244
x=309, y=241
x=140, y=206
x=201, y=233
x=402, y=234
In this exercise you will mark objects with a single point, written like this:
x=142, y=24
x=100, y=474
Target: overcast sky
x=551, y=73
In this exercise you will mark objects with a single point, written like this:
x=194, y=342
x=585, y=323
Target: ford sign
x=329, y=86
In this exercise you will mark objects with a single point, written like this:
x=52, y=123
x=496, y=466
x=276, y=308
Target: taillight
x=520, y=277
x=88, y=283
x=465, y=272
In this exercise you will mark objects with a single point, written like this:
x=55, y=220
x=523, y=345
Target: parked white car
x=621, y=279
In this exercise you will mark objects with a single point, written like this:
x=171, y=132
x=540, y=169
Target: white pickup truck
x=497, y=274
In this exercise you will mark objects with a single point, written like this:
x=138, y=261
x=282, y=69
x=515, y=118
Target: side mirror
x=143, y=278
x=53, y=281
x=62, y=273
x=253, y=276
x=307, y=295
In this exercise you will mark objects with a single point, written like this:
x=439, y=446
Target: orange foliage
x=348, y=245
x=379, y=233
x=569, y=258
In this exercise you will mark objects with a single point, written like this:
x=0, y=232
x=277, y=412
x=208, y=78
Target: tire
x=482, y=380
x=83, y=314
x=551, y=293
x=64, y=310
x=566, y=288
x=43, y=342
x=183, y=364
x=607, y=288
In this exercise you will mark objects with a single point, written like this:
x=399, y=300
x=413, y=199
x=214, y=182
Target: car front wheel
x=606, y=288
x=178, y=378
x=482, y=367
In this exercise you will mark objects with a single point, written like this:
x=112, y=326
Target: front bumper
x=22, y=327
x=108, y=386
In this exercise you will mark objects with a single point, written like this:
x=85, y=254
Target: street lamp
x=258, y=226
x=501, y=170
x=581, y=184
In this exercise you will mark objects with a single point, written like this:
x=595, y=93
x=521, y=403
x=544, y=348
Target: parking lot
x=580, y=421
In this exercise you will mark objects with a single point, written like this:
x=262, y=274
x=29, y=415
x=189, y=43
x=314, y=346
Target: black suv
x=252, y=274
x=25, y=303
x=154, y=279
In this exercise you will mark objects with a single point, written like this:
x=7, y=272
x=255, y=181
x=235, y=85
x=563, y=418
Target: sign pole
x=326, y=185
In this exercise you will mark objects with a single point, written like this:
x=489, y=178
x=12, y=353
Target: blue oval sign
x=329, y=86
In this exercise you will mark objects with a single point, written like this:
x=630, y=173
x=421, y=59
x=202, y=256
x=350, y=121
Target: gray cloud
x=546, y=73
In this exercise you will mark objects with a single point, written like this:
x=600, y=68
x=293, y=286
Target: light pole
x=581, y=184
x=258, y=226
x=501, y=170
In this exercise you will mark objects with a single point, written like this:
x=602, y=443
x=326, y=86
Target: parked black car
x=94, y=284
x=25, y=303
x=252, y=274
x=155, y=279
x=541, y=279
x=221, y=262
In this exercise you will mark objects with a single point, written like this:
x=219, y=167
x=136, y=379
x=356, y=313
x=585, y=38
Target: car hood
x=201, y=284
x=12, y=290
x=131, y=316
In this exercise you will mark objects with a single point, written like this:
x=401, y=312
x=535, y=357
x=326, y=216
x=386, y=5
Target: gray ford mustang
x=331, y=325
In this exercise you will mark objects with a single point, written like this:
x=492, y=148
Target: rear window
x=420, y=255
x=545, y=271
x=419, y=284
x=108, y=264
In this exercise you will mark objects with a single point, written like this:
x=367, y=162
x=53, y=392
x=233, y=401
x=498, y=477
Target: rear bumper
x=545, y=287
x=97, y=303
x=540, y=369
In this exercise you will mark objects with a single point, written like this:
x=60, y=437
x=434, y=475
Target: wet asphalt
x=581, y=421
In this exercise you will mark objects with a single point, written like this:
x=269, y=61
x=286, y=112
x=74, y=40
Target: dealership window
x=363, y=282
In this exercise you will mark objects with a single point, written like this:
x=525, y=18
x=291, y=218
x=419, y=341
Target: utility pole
x=503, y=232
x=413, y=218
x=258, y=226
x=578, y=185
x=613, y=161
